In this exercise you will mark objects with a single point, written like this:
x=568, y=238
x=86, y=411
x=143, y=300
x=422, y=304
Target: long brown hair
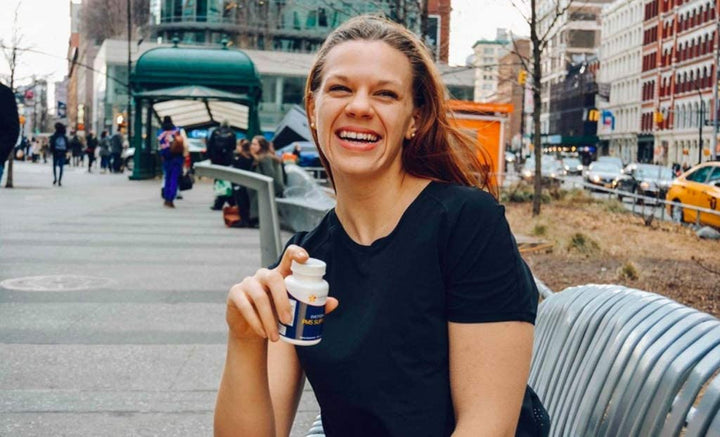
x=439, y=150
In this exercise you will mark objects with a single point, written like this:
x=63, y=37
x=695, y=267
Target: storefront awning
x=194, y=105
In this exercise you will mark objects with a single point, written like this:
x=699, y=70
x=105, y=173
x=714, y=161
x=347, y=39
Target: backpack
x=60, y=144
x=221, y=146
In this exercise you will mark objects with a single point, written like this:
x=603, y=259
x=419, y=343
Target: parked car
x=699, y=186
x=603, y=174
x=645, y=180
x=550, y=168
x=572, y=166
x=611, y=159
x=309, y=155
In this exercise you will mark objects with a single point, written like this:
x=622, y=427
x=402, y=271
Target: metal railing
x=270, y=243
x=645, y=200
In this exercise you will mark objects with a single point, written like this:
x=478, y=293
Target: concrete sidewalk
x=112, y=306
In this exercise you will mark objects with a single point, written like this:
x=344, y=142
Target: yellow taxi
x=699, y=187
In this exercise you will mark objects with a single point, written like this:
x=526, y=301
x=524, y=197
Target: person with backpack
x=171, y=147
x=59, y=144
x=220, y=148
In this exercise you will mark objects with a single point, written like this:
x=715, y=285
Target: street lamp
x=701, y=122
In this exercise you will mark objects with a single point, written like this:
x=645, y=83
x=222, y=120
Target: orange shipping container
x=484, y=122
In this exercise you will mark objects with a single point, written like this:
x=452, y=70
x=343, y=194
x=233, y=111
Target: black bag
x=186, y=182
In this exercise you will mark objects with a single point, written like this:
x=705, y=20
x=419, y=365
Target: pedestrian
x=265, y=163
x=76, y=148
x=104, y=152
x=9, y=125
x=91, y=144
x=172, y=162
x=220, y=148
x=59, y=145
x=44, y=149
x=685, y=166
x=429, y=325
x=243, y=160
x=35, y=150
x=116, y=148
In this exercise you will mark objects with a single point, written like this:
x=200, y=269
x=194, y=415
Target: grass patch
x=628, y=271
x=539, y=230
x=614, y=205
x=583, y=244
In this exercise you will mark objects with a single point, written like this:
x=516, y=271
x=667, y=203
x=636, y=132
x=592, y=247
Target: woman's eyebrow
x=343, y=78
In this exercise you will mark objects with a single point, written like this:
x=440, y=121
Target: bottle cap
x=312, y=267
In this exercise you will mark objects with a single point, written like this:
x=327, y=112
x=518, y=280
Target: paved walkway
x=112, y=307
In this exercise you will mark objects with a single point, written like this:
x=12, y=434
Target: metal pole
x=716, y=107
x=129, y=119
x=701, y=121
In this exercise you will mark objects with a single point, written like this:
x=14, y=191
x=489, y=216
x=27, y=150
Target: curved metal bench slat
x=648, y=374
x=707, y=412
x=684, y=400
x=597, y=362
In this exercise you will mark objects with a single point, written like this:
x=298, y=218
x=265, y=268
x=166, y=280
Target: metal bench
x=614, y=361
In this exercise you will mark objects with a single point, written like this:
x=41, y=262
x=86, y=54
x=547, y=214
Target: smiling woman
x=429, y=321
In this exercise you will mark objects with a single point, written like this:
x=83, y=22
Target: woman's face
x=255, y=146
x=363, y=109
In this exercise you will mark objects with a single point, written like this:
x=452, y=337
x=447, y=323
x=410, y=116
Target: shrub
x=628, y=271
x=614, y=205
x=581, y=243
x=539, y=230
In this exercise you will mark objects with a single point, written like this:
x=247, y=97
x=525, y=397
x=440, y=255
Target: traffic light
x=522, y=77
x=593, y=115
x=658, y=117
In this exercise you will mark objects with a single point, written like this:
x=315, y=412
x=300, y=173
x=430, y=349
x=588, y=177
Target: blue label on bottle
x=306, y=323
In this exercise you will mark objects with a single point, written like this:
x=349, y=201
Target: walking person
x=9, y=125
x=116, y=148
x=429, y=325
x=220, y=148
x=104, y=152
x=172, y=159
x=243, y=160
x=59, y=145
x=76, y=147
x=265, y=163
x=91, y=144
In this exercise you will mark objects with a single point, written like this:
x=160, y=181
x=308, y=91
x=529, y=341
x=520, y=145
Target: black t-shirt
x=382, y=366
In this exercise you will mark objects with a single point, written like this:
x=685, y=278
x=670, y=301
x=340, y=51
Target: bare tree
x=104, y=19
x=543, y=27
x=12, y=52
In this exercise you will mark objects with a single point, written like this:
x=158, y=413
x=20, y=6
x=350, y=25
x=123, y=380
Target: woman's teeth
x=358, y=136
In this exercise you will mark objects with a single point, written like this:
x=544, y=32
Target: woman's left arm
x=489, y=369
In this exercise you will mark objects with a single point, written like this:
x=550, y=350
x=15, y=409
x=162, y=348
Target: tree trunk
x=537, y=108
x=13, y=64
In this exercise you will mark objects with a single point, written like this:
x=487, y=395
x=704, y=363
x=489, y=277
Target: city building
x=574, y=40
x=573, y=117
x=486, y=61
x=512, y=81
x=283, y=76
x=277, y=25
x=619, y=80
x=678, y=70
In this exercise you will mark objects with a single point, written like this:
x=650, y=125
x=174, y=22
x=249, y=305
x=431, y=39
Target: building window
x=293, y=90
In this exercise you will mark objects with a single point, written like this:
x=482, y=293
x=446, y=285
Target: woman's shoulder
x=458, y=198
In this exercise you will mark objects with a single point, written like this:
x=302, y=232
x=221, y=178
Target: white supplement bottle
x=307, y=291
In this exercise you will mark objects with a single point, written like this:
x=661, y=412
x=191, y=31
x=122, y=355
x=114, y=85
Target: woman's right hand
x=255, y=305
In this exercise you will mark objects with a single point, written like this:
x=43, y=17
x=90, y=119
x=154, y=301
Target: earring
x=312, y=125
x=412, y=135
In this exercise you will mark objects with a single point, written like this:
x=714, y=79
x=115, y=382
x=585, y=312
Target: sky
x=45, y=29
